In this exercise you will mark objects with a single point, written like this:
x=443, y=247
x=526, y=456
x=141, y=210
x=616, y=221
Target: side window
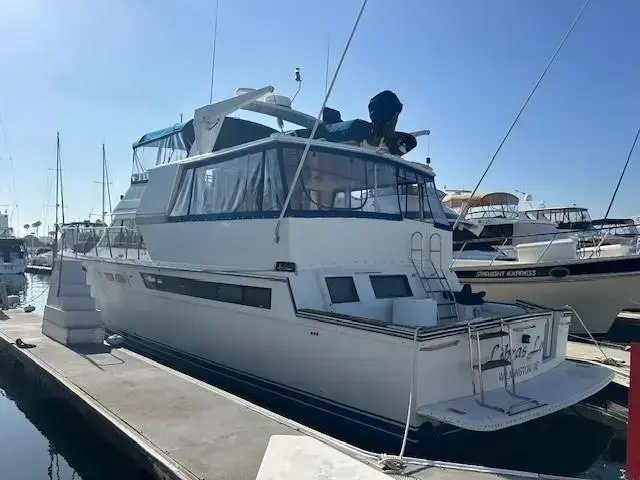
x=390, y=286
x=342, y=290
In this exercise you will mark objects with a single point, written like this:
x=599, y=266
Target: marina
x=284, y=286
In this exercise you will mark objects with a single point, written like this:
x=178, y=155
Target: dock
x=177, y=427
x=617, y=358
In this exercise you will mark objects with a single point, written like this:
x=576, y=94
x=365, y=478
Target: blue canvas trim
x=443, y=226
x=159, y=134
x=387, y=426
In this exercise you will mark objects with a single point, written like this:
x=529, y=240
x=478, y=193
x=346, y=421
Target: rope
x=317, y=123
x=626, y=164
x=524, y=105
x=391, y=462
x=606, y=360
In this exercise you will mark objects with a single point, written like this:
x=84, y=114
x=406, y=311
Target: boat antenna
x=463, y=213
x=106, y=189
x=213, y=52
x=626, y=164
x=316, y=123
x=298, y=79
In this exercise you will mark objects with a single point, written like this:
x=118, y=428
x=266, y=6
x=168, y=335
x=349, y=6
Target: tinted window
x=221, y=292
x=342, y=290
x=390, y=286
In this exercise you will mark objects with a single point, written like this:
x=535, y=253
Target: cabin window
x=247, y=184
x=258, y=297
x=390, y=286
x=181, y=206
x=342, y=290
x=231, y=186
x=333, y=181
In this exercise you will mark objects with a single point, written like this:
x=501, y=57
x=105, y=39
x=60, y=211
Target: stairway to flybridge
x=442, y=294
x=70, y=316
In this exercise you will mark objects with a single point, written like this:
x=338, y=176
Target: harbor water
x=44, y=438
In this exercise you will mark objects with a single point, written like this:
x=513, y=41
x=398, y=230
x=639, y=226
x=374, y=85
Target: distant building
x=5, y=229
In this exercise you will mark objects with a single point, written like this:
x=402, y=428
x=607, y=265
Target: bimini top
x=184, y=129
x=488, y=199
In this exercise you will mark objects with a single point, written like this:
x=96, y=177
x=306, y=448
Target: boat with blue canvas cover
x=317, y=268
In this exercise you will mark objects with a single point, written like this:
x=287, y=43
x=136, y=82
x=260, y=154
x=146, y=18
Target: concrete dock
x=176, y=427
x=617, y=358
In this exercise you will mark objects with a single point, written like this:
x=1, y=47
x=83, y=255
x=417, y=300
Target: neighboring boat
x=334, y=290
x=13, y=252
x=597, y=281
x=496, y=221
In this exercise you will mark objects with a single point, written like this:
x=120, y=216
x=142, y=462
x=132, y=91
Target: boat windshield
x=563, y=216
x=11, y=250
x=486, y=212
x=170, y=144
x=625, y=228
x=333, y=182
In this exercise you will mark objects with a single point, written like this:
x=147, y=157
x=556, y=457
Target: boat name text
x=505, y=273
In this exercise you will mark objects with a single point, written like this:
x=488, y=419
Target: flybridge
x=212, y=129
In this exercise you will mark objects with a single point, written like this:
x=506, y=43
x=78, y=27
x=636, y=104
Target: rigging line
x=213, y=53
x=3, y=130
x=106, y=171
x=326, y=71
x=524, y=105
x=626, y=164
x=317, y=122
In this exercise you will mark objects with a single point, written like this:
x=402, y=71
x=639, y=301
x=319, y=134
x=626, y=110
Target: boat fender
x=115, y=340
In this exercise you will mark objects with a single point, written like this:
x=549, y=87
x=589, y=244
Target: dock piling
x=633, y=423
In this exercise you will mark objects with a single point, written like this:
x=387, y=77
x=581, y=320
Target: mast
x=56, y=226
x=104, y=176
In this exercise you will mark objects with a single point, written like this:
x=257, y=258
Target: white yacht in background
x=13, y=252
x=339, y=298
x=496, y=221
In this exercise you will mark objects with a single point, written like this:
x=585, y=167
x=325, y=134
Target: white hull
x=369, y=373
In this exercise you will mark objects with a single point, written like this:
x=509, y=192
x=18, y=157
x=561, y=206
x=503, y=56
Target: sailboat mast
x=57, y=180
x=104, y=173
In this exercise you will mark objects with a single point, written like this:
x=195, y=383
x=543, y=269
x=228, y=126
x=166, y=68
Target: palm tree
x=36, y=225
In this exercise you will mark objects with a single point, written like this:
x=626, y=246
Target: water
x=43, y=438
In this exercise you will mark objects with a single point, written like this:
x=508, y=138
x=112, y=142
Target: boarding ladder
x=447, y=307
x=478, y=369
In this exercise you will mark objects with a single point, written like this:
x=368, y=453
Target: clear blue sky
x=111, y=70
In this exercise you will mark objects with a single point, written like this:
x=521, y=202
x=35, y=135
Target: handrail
x=499, y=251
x=130, y=238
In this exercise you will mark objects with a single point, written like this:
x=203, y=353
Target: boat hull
x=596, y=294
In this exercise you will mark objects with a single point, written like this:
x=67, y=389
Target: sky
x=108, y=71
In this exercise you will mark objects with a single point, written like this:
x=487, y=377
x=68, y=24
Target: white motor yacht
x=13, y=252
x=321, y=288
